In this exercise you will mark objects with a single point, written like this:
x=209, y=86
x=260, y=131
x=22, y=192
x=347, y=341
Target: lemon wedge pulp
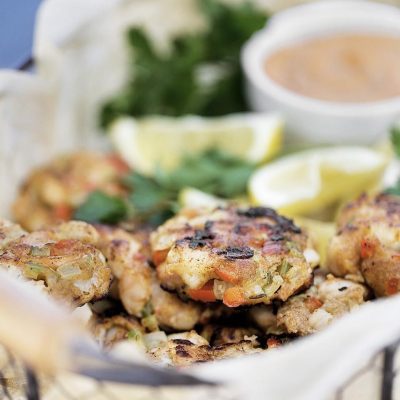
x=306, y=182
x=152, y=142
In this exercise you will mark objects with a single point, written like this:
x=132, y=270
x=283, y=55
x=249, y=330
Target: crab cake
x=326, y=300
x=109, y=331
x=188, y=348
x=238, y=255
x=52, y=193
x=366, y=246
x=138, y=289
x=62, y=257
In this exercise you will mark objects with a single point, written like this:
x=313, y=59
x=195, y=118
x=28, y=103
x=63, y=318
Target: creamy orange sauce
x=345, y=68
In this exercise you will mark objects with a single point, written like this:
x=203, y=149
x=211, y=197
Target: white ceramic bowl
x=311, y=120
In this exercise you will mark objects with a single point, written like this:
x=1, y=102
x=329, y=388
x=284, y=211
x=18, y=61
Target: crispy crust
x=254, y=250
x=189, y=348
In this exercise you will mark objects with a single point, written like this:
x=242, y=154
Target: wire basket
x=378, y=379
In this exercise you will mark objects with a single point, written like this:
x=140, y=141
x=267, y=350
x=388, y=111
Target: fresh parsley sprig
x=103, y=208
x=200, y=75
x=155, y=199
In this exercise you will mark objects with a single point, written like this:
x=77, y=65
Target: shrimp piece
x=172, y=312
x=135, y=287
x=139, y=291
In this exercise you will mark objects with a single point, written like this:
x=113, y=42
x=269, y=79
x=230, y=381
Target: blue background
x=17, y=18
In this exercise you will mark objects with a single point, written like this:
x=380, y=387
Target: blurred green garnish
x=395, y=139
x=155, y=199
x=101, y=207
x=200, y=75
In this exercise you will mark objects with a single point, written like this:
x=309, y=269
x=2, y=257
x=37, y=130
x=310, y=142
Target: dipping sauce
x=354, y=68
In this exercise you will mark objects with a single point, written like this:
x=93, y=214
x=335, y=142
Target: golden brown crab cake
x=52, y=193
x=139, y=291
x=366, y=246
x=326, y=300
x=109, y=331
x=238, y=255
x=72, y=269
x=187, y=348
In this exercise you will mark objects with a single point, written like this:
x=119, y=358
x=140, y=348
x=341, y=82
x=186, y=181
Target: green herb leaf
x=101, y=207
x=147, y=310
x=134, y=334
x=394, y=190
x=200, y=75
x=395, y=138
x=154, y=199
x=284, y=268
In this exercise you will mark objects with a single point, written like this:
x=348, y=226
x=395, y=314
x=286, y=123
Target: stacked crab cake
x=206, y=285
x=180, y=325
x=137, y=288
x=258, y=266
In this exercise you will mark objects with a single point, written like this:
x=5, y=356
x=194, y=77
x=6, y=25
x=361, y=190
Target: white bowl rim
x=254, y=47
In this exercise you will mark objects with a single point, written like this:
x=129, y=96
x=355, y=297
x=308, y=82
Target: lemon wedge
x=149, y=143
x=307, y=182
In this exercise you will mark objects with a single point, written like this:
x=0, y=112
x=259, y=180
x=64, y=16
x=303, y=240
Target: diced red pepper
x=63, y=211
x=62, y=246
x=273, y=343
x=159, y=256
x=234, y=297
x=393, y=286
x=119, y=164
x=205, y=293
x=227, y=273
x=367, y=248
x=312, y=304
